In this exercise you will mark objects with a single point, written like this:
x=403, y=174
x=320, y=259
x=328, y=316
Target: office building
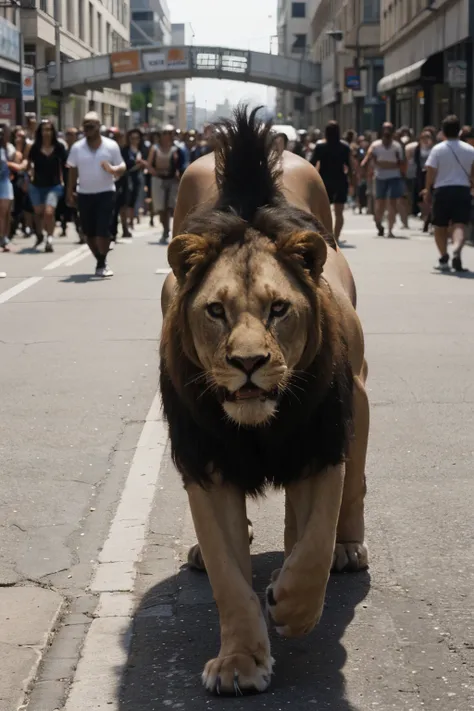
x=10, y=80
x=428, y=55
x=86, y=27
x=345, y=40
x=150, y=25
x=178, y=86
x=293, y=26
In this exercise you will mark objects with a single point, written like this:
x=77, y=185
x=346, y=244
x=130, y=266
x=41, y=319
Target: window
x=91, y=25
x=99, y=32
x=371, y=11
x=81, y=19
x=298, y=9
x=299, y=104
x=29, y=54
x=108, y=38
x=43, y=5
x=299, y=44
x=143, y=16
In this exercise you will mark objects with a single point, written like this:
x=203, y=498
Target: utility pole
x=59, y=68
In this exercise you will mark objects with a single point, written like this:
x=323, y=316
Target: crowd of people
x=429, y=177
x=103, y=178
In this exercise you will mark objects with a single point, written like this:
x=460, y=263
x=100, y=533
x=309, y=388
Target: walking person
x=422, y=151
x=332, y=158
x=166, y=165
x=450, y=174
x=388, y=161
x=7, y=155
x=47, y=157
x=96, y=162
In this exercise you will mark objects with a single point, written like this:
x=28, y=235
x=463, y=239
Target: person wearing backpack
x=166, y=163
x=449, y=181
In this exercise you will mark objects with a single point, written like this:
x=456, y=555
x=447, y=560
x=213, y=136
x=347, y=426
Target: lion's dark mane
x=314, y=421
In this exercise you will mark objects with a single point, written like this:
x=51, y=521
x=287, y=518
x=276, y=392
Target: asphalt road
x=79, y=373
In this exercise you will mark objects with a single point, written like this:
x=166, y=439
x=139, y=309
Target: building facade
x=345, y=40
x=178, y=86
x=293, y=24
x=428, y=53
x=84, y=28
x=150, y=25
x=10, y=78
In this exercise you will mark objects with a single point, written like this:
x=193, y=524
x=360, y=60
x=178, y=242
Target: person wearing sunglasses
x=95, y=164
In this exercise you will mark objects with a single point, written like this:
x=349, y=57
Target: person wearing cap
x=166, y=164
x=96, y=162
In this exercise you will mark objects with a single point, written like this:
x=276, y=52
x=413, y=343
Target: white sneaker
x=103, y=272
x=48, y=247
x=3, y=275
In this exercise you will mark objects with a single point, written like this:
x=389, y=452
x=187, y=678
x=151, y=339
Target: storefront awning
x=403, y=77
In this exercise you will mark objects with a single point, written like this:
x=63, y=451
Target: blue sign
x=352, y=78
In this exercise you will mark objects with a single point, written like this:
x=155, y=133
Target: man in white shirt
x=450, y=171
x=389, y=162
x=96, y=161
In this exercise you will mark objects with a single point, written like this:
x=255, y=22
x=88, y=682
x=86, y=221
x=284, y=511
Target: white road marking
x=65, y=259
x=18, y=288
x=95, y=682
x=77, y=259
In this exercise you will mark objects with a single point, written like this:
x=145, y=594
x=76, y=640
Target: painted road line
x=83, y=249
x=77, y=259
x=18, y=288
x=106, y=646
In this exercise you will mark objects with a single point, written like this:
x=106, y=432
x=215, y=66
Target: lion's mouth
x=251, y=392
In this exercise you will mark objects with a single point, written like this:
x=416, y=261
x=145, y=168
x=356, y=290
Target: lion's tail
x=246, y=166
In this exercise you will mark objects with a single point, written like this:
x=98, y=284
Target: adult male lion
x=262, y=379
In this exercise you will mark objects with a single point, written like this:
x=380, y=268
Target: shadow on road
x=80, y=278
x=175, y=631
x=458, y=275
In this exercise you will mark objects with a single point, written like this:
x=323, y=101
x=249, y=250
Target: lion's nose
x=249, y=364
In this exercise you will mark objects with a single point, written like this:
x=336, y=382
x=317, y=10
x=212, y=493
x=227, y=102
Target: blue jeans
x=389, y=188
x=45, y=196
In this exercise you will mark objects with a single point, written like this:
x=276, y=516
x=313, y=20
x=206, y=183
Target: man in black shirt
x=332, y=158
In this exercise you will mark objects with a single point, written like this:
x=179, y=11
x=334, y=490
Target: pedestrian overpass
x=153, y=63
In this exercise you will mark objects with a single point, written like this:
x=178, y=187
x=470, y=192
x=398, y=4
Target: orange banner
x=125, y=62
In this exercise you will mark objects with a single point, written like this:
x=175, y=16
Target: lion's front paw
x=350, y=557
x=237, y=673
x=295, y=610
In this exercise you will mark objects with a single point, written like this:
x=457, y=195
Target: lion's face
x=249, y=321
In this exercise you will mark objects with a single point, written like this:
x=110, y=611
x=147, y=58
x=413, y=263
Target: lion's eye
x=279, y=309
x=216, y=310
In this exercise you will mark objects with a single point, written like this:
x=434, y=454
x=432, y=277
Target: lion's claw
x=236, y=674
x=350, y=557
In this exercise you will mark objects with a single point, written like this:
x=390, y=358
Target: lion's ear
x=309, y=249
x=185, y=251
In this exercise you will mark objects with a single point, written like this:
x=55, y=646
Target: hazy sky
x=244, y=24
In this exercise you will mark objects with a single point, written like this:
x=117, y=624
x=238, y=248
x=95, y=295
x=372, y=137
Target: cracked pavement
x=80, y=377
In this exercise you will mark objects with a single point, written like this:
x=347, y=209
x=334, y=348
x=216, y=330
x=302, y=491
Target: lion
x=263, y=385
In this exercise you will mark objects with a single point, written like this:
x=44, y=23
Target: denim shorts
x=389, y=188
x=45, y=196
x=6, y=189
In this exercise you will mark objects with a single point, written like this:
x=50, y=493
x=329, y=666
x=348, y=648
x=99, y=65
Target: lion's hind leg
x=351, y=552
x=195, y=559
